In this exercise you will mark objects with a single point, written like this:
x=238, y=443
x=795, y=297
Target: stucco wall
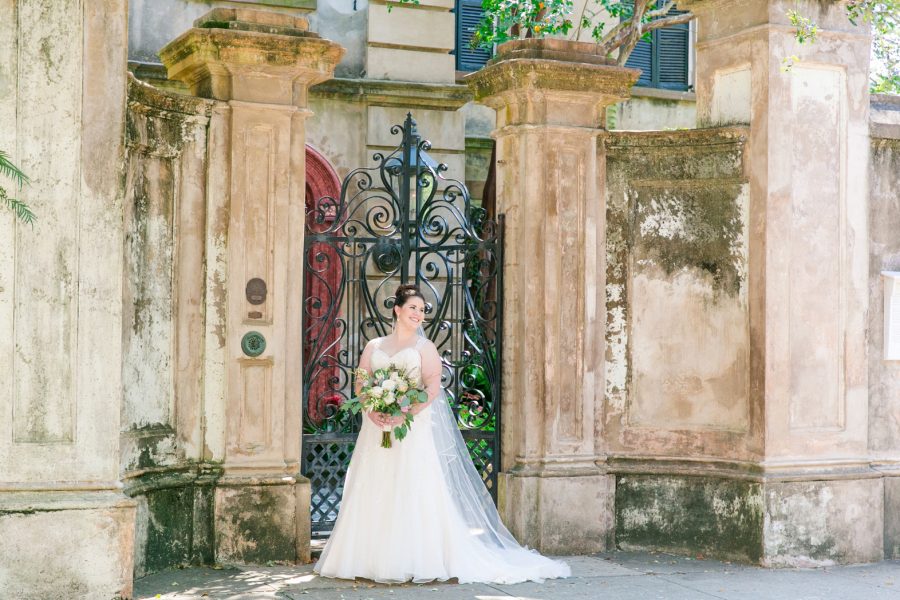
x=65, y=527
x=677, y=366
x=165, y=219
x=884, y=249
x=884, y=246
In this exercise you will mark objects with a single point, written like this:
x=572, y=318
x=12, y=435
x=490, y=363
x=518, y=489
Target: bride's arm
x=365, y=362
x=431, y=376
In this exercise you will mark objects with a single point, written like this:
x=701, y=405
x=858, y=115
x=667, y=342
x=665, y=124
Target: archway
x=399, y=221
x=322, y=184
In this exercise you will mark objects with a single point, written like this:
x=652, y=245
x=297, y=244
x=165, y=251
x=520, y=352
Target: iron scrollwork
x=400, y=221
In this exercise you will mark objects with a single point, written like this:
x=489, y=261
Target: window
x=468, y=16
x=663, y=60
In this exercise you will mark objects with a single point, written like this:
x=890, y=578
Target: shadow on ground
x=619, y=575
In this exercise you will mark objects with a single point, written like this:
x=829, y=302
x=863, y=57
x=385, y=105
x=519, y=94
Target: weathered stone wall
x=66, y=530
x=884, y=249
x=679, y=425
x=162, y=434
x=677, y=343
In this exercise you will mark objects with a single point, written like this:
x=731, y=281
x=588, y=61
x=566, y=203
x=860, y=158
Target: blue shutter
x=642, y=58
x=673, y=55
x=468, y=16
x=663, y=60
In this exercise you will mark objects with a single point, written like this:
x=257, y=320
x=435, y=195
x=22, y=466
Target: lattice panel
x=326, y=467
x=482, y=453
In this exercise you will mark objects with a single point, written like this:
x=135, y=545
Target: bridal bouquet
x=391, y=391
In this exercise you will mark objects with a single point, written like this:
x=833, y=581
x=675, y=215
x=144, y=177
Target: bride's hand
x=385, y=420
x=377, y=418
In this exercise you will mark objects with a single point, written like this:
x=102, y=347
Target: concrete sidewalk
x=614, y=575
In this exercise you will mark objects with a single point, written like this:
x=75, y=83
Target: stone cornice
x=146, y=96
x=379, y=92
x=230, y=52
x=190, y=51
x=759, y=472
x=663, y=94
x=530, y=81
x=551, y=76
x=659, y=140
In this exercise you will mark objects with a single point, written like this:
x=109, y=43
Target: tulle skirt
x=398, y=522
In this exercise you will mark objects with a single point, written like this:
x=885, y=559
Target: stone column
x=66, y=529
x=550, y=96
x=807, y=166
x=261, y=65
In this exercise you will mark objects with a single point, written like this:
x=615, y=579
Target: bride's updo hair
x=405, y=292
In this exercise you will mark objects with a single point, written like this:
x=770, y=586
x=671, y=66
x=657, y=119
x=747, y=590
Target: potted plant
x=614, y=25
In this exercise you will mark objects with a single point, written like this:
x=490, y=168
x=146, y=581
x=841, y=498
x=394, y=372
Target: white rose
x=402, y=387
x=389, y=385
x=395, y=376
x=376, y=392
x=389, y=398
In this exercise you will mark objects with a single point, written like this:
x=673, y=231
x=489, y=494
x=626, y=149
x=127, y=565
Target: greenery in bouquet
x=391, y=391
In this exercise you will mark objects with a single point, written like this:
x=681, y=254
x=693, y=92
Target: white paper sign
x=891, y=315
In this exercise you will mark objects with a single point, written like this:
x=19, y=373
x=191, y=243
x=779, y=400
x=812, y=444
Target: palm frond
x=22, y=211
x=8, y=169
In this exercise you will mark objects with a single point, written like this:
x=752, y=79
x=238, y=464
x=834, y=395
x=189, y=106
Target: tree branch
x=661, y=11
x=612, y=34
x=669, y=21
x=632, y=35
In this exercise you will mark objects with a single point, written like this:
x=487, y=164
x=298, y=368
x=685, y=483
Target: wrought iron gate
x=398, y=222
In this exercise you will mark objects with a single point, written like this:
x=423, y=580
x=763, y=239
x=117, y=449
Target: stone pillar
x=260, y=65
x=550, y=96
x=66, y=529
x=807, y=166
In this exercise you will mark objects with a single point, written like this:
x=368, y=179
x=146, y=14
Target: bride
x=419, y=511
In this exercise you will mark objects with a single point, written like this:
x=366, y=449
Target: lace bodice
x=408, y=359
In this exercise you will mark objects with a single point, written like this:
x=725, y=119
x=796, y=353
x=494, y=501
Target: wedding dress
x=419, y=511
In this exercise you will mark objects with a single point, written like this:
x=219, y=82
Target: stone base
x=773, y=523
x=66, y=545
x=721, y=518
x=258, y=521
x=892, y=518
x=559, y=514
x=174, y=522
x=818, y=523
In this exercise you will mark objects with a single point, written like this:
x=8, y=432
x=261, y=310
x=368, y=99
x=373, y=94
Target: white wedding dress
x=400, y=522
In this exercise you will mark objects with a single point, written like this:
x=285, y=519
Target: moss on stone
x=253, y=526
x=717, y=517
x=179, y=519
x=696, y=228
x=170, y=528
x=675, y=202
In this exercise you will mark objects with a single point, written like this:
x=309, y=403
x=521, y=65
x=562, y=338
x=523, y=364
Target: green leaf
x=22, y=211
x=11, y=171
